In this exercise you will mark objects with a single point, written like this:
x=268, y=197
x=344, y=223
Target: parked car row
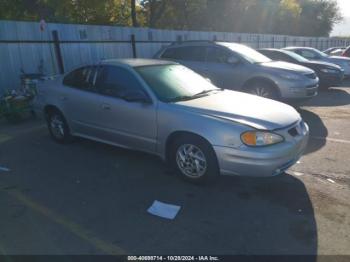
x=329, y=74
x=314, y=54
x=238, y=67
x=338, y=51
x=202, y=128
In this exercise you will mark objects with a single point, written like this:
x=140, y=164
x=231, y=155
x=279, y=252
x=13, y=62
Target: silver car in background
x=239, y=67
x=166, y=109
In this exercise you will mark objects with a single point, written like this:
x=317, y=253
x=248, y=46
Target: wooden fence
x=24, y=47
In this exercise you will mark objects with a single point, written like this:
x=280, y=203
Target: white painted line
x=331, y=139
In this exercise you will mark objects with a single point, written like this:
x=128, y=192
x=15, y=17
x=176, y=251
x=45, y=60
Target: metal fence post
x=273, y=42
x=285, y=41
x=258, y=41
x=58, y=52
x=133, y=45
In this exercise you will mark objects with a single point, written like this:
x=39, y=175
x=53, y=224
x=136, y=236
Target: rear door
x=127, y=123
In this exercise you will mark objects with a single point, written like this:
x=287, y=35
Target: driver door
x=222, y=73
x=124, y=121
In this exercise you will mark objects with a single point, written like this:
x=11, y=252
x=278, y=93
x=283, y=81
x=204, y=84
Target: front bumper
x=263, y=161
x=299, y=90
x=333, y=80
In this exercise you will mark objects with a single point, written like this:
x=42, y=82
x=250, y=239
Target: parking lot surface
x=91, y=198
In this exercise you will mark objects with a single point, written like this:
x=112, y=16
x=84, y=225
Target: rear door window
x=186, y=53
x=81, y=78
x=277, y=56
x=170, y=53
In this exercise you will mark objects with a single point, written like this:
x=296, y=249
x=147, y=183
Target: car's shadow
x=233, y=216
x=332, y=97
x=318, y=131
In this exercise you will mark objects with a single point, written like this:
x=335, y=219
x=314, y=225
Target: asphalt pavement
x=91, y=198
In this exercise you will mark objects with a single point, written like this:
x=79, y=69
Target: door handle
x=106, y=106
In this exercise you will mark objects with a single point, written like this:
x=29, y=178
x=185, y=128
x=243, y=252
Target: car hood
x=338, y=59
x=287, y=66
x=246, y=109
x=321, y=64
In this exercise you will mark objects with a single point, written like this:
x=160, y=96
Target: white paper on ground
x=4, y=169
x=331, y=180
x=163, y=210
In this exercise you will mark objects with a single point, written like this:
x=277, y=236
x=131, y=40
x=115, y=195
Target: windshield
x=320, y=53
x=248, y=53
x=172, y=83
x=297, y=57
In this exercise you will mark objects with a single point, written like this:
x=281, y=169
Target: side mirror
x=137, y=96
x=233, y=60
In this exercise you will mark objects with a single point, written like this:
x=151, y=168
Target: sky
x=343, y=29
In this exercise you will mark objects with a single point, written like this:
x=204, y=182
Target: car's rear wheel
x=58, y=127
x=194, y=159
x=262, y=89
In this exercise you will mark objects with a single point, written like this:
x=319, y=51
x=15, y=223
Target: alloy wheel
x=191, y=161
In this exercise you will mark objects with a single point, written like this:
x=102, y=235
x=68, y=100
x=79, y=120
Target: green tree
x=294, y=17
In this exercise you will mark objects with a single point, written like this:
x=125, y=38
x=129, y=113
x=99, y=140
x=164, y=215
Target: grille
x=293, y=132
x=311, y=76
x=296, y=130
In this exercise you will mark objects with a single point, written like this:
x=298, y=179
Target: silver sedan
x=166, y=109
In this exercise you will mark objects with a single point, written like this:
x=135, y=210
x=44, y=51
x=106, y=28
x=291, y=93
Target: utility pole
x=133, y=13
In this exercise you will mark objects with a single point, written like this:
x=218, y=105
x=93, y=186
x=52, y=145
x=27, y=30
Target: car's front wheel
x=194, y=159
x=262, y=89
x=58, y=127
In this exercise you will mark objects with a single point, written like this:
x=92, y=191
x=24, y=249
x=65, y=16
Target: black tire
x=211, y=172
x=263, y=89
x=52, y=118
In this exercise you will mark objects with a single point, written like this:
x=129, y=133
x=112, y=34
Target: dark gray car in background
x=238, y=67
x=330, y=75
x=314, y=54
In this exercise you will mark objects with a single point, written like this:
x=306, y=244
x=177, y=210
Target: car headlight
x=290, y=76
x=260, y=138
x=329, y=70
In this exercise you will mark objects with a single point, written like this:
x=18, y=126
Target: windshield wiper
x=180, y=98
x=200, y=94
x=204, y=92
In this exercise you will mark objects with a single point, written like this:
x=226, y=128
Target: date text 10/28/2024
x=173, y=258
